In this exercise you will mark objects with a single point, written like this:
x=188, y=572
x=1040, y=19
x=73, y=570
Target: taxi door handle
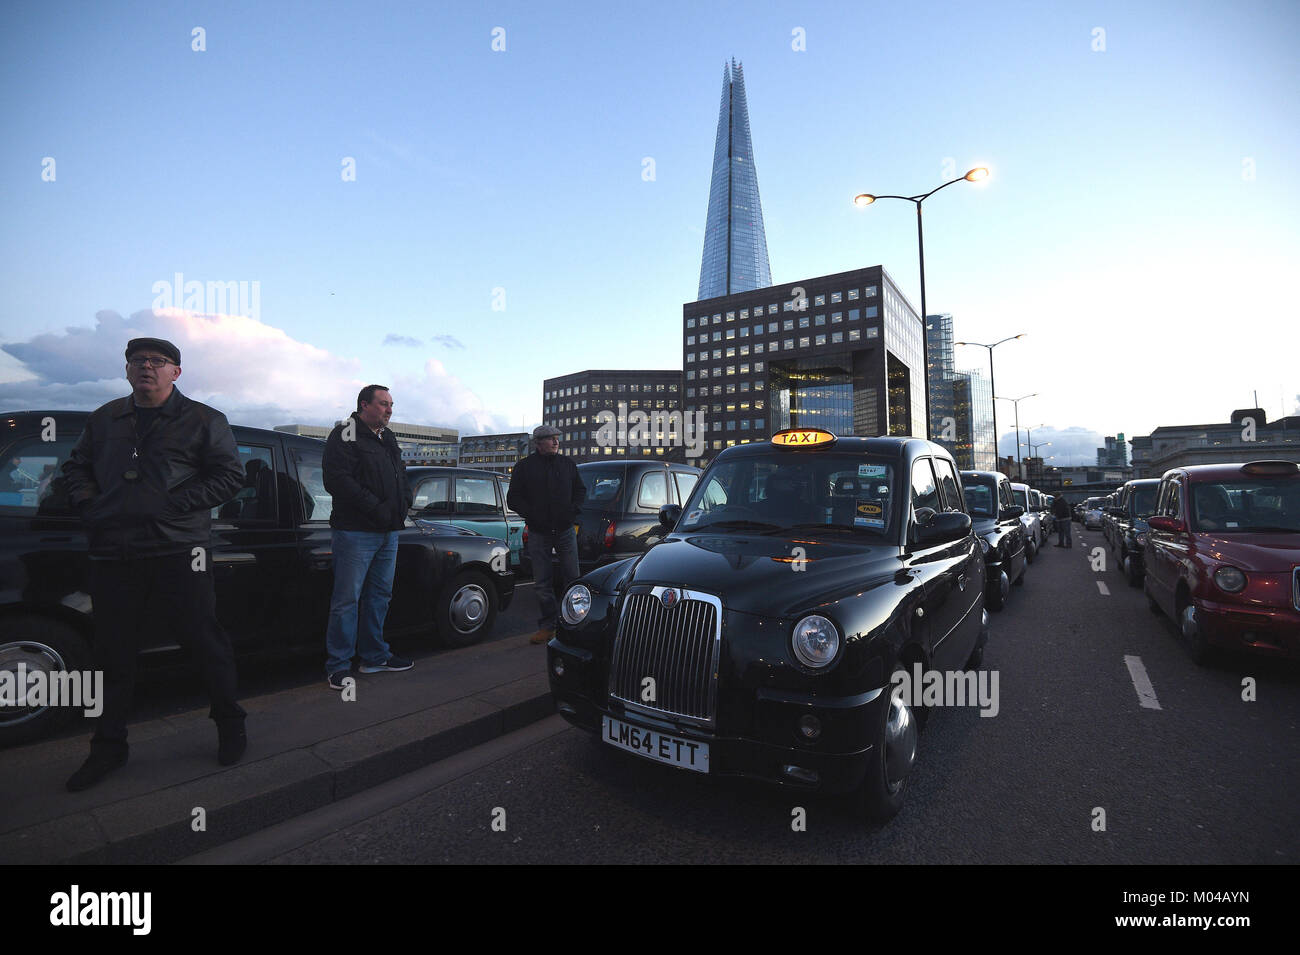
x=321, y=559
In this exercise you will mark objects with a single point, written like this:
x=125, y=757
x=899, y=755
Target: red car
x=1223, y=556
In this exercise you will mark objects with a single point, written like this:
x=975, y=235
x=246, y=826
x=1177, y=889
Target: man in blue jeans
x=546, y=490
x=363, y=471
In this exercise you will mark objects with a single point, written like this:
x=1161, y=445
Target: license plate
x=662, y=748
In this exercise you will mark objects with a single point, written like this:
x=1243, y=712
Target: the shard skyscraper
x=735, y=243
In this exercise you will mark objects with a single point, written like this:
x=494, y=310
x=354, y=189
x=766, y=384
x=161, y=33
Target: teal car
x=470, y=499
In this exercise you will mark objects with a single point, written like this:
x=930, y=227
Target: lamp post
x=866, y=199
x=993, y=388
x=1033, y=448
x=1016, y=401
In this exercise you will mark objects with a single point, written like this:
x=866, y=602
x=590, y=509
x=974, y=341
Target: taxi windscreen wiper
x=817, y=526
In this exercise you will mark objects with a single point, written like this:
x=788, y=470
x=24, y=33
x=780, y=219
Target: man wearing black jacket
x=364, y=473
x=1061, y=511
x=546, y=491
x=144, y=477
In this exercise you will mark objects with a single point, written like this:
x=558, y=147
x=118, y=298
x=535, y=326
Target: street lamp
x=1016, y=401
x=866, y=199
x=993, y=388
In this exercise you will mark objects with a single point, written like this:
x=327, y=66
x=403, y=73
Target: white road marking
x=1105, y=591
x=1142, y=683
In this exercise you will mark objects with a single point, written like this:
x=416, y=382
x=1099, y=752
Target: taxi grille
x=677, y=648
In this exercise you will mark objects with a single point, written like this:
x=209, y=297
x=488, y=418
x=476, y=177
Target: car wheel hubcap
x=469, y=608
x=900, y=743
x=37, y=657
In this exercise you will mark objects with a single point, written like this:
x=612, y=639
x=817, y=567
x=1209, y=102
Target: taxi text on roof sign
x=802, y=438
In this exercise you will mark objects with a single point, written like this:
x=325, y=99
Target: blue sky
x=1140, y=224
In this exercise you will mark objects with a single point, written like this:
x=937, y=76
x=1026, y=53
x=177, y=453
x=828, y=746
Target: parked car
x=1137, y=503
x=1002, y=536
x=759, y=638
x=620, y=517
x=1223, y=557
x=470, y=499
x=271, y=556
x=1042, y=507
x=1092, y=512
x=1029, y=518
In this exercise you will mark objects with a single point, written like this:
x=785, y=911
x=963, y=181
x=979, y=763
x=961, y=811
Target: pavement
x=307, y=747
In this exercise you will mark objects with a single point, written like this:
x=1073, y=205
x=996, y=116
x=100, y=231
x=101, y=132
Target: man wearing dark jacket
x=144, y=477
x=1061, y=511
x=364, y=473
x=546, y=491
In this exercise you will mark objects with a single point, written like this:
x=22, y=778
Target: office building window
x=853, y=314
x=837, y=297
x=853, y=295
x=855, y=334
x=820, y=300
x=837, y=337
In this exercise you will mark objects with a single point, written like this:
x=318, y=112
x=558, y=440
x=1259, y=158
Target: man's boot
x=103, y=759
x=231, y=741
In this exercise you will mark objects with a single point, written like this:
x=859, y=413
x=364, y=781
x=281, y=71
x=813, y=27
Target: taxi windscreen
x=768, y=495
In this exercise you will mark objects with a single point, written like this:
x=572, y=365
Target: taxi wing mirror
x=1170, y=525
x=943, y=528
x=1015, y=510
x=669, y=514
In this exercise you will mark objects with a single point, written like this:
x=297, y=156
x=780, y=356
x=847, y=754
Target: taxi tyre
x=470, y=599
x=64, y=649
x=1031, y=549
x=995, y=598
x=878, y=799
x=1131, y=573
x=1193, y=636
x=1151, y=601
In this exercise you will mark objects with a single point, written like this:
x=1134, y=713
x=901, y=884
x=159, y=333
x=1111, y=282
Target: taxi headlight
x=1230, y=579
x=576, y=605
x=815, y=641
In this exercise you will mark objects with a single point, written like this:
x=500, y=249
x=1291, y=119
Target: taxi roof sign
x=802, y=438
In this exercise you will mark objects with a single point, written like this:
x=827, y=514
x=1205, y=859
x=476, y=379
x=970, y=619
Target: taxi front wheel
x=890, y=761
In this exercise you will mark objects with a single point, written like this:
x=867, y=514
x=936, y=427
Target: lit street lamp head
x=976, y=174
x=865, y=199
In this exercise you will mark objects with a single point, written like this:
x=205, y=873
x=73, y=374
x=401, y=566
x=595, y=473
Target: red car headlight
x=1230, y=580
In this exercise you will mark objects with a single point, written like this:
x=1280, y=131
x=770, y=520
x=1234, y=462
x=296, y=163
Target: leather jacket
x=151, y=494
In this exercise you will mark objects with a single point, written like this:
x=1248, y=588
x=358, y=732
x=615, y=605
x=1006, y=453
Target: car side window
x=1173, y=504
x=433, y=494
x=925, y=490
x=685, y=484
x=476, y=495
x=654, y=490
x=255, y=500
x=29, y=478
x=317, y=503
x=948, y=484
x=1004, y=494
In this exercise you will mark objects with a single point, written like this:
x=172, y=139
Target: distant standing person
x=1061, y=511
x=364, y=474
x=144, y=478
x=547, y=491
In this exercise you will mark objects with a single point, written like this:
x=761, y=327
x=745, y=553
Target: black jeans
x=162, y=600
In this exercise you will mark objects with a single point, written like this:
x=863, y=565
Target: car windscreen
x=980, y=499
x=1143, y=502
x=1240, y=506
x=786, y=492
x=604, y=486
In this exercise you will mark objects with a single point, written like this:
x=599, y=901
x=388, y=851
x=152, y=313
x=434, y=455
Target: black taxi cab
x=760, y=638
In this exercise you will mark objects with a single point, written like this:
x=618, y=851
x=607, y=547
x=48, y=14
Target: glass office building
x=841, y=352
x=735, y=244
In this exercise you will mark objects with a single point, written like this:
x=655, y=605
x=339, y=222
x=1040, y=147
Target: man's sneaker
x=542, y=636
x=336, y=679
x=393, y=663
x=101, y=762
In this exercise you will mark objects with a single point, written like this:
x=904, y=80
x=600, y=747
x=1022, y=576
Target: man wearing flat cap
x=546, y=490
x=143, y=478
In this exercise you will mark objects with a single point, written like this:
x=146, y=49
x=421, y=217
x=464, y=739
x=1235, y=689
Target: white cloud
x=253, y=372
